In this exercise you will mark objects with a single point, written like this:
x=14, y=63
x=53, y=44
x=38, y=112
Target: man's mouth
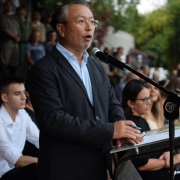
x=88, y=37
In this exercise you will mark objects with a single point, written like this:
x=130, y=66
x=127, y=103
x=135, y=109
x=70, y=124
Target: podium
x=143, y=150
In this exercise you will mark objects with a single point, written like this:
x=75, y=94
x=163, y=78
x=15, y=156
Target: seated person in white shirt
x=15, y=128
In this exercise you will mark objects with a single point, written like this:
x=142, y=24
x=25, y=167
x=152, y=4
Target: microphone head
x=94, y=51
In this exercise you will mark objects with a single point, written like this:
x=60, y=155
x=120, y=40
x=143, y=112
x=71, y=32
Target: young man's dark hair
x=6, y=81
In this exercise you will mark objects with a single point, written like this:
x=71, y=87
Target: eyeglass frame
x=145, y=100
x=85, y=21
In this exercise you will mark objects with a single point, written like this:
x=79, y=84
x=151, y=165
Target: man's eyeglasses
x=146, y=100
x=82, y=22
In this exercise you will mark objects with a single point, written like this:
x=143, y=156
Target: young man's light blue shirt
x=81, y=70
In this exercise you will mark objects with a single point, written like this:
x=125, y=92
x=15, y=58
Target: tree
x=174, y=35
x=159, y=35
x=152, y=35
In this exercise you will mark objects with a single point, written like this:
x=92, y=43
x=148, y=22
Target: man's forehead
x=16, y=86
x=79, y=10
x=79, y=16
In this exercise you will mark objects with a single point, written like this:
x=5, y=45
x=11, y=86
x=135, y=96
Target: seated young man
x=15, y=128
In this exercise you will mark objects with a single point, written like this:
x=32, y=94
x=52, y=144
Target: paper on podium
x=150, y=137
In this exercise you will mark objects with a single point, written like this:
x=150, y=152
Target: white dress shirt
x=13, y=136
x=81, y=70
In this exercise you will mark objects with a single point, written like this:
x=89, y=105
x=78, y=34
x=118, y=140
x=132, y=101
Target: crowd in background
x=25, y=38
x=23, y=42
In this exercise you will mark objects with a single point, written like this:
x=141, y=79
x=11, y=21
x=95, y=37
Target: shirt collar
x=6, y=117
x=68, y=55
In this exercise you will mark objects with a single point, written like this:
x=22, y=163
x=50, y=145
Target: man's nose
x=89, y=25
x=23, y=96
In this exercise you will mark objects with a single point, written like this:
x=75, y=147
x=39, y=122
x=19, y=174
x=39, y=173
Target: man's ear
x=4, y=97
x=60, y=29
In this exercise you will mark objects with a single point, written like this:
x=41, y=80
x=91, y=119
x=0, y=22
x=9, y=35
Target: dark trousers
x=29, y=172
x=177, y=177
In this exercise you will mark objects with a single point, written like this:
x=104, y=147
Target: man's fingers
x=138, y=140
x=118, y=143
x=133, y=130
x=131, y=141
x=129, y=123
x=122, y=129
x=130, y=134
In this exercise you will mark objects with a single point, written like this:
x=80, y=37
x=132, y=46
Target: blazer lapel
x=63, y=61
x=92, y=75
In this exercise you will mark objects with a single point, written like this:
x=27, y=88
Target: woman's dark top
x=32, y=116
x=29, y=148
x=147, y=175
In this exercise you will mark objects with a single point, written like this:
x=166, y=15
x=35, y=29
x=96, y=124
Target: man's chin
x=86, y=47
x=22, y=107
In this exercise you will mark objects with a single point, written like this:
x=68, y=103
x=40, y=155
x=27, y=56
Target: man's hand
x=120, y=142
x=123, y=129
x=125, y=134
x=17, y=39
x=10, y=34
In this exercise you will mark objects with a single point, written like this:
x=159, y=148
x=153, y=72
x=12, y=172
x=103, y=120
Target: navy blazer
x=73, y=134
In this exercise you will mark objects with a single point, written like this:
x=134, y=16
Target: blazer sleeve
x=53, y=120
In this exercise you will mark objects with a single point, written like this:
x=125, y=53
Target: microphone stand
x=171, y=105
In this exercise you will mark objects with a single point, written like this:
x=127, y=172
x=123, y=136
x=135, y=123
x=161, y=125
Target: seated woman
x=154, y=116
x=136, y=102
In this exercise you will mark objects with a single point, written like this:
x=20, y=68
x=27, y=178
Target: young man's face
x=15, y=98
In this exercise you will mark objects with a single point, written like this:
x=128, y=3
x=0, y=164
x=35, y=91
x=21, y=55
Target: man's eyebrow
x=84, y=16
x=19, y=91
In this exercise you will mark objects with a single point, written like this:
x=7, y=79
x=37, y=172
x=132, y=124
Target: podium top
x=150, y=137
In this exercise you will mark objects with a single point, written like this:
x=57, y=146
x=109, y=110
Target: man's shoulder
x=47, y=62
x=96, y=63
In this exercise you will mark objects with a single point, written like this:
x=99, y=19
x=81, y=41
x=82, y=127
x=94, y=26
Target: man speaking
x=75, y=103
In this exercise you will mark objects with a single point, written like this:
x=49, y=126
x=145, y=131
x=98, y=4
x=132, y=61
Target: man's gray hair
x=62, y=11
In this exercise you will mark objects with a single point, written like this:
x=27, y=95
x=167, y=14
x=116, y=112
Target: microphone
x=107, y=58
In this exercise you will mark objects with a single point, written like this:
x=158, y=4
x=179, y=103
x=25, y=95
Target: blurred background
x=147, y=30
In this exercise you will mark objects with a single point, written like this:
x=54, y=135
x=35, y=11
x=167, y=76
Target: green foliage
x=174, y=36
x=159, y=34
x=152, y=36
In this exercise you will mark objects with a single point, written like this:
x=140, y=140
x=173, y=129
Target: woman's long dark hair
x=130, y=92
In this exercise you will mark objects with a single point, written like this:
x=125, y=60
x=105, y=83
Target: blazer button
x=97, y=119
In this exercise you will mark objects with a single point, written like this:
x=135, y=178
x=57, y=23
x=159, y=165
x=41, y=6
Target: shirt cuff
x=12, y=157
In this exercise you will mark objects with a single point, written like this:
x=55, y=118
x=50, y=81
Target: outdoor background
x=155, y=25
